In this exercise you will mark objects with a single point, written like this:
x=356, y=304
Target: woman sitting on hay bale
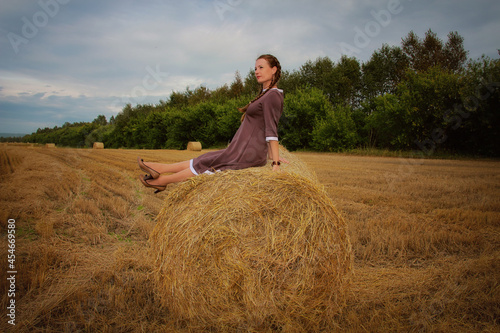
x=255, y=140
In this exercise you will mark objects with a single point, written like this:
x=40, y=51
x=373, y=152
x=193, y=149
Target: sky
x=72, y=60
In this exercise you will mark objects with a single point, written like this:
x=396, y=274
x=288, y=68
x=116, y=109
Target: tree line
x=423, y=95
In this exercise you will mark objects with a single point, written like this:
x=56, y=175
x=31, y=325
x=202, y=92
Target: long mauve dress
x=249, y=145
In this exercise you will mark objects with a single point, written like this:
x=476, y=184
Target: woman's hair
x=273, y=62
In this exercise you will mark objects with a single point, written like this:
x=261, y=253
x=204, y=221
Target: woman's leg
x=165, y=168
x=179, y=176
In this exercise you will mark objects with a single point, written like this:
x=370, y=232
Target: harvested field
x=425, y=236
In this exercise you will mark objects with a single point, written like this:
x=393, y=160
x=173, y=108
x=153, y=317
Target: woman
x=255, y=140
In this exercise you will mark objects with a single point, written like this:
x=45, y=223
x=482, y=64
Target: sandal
x=147, y=177
x=159, y=188
x=155, y=174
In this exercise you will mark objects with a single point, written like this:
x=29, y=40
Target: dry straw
x=194, y=146
x=98, y=145
x=252, y=250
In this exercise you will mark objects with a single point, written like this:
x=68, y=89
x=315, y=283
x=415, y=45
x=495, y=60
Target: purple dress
x=249, y=145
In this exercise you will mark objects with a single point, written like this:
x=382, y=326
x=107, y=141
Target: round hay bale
x=50, y=145
x=98, y=145
x=251, y=250
x=194, y=146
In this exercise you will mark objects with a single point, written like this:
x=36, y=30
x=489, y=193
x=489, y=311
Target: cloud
x=93, y=57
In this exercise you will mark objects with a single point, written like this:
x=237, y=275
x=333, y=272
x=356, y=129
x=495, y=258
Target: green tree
x=416, y=117
x=383, y=71
x=100, y=134
x=387, y=122
x=302, y=110
x=290, y=81
x=236, y=88
x=177, y=99
x=228, y=118
x=100, y=120
x=474, y=121
x=199, y=95
x=156, y=128
x=428, y=96
x=250, y=86
x=318, y=74
x=347, y=82
x=220, y=94
x=430, y=51
x=340, y=82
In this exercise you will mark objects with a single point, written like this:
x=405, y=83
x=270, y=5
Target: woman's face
x=264, y=73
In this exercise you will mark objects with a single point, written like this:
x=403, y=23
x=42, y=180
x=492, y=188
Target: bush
x=302, y=110
x=335, y=132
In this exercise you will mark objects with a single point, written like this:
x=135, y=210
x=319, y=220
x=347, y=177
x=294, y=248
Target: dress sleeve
x=273, y=107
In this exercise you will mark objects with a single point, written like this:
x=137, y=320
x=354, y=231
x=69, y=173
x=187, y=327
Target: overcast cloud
x=72, y=60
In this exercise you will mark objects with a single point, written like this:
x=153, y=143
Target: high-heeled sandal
x=155, y=174
x=147, y=177
x=159, y=188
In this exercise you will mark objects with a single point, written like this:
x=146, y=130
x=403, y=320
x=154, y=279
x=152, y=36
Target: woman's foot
x=145, y=181
x=154, y=174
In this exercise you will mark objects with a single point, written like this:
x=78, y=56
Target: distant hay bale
x=50, y=145
x=98, y=145
x=252, y=250
x=194, y=146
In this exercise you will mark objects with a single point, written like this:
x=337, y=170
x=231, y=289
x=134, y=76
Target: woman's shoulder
x=276, y=90
x=274, y=93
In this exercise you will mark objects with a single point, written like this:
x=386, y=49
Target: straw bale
x=50, y=145
x=98, y=145
x=252, y=250
x=194, y=146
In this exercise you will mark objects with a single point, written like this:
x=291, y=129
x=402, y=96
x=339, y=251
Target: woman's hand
x=284, y=160
x=274, y=155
